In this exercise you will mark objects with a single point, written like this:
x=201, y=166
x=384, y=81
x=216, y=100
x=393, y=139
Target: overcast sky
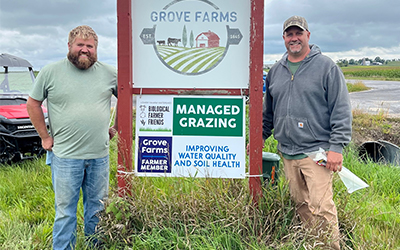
x=37, y=30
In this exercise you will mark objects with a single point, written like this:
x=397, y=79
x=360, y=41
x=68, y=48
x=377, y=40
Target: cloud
x=38, y=30
x=357, y=28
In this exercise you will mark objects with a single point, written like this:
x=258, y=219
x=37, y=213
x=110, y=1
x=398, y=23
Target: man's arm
x=36, y=115
x=341, y=119
x=268, y=112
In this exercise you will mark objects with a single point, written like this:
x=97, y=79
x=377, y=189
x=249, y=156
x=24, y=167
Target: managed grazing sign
x=208, y=117
x=200, y=136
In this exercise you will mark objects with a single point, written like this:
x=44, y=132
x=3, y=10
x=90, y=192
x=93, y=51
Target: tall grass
x=26, y=202
x=356, y=86
x=187, y=213
x=201, y=213
x=27, y=207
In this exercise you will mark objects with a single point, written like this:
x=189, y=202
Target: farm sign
x=191, y=43
x=185, y=136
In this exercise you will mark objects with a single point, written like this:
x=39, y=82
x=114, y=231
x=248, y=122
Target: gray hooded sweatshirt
x=310, y=109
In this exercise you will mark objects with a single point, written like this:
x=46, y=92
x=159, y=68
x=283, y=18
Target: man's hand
x=248, y=147
x=112, y=132
x=334, y=161
x=47, y=143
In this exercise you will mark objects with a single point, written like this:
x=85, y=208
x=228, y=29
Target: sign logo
x=154, y=155
x=191, y=39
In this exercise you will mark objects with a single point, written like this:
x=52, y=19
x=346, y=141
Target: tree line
x=364, y=61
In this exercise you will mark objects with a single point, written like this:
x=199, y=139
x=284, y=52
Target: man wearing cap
x=307, y=106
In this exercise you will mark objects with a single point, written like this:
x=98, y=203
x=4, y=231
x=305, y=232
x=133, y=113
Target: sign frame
x=126, y=90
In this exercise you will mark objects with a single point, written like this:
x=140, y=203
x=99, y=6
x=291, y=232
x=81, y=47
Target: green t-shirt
x=293, y=66
x=78, y=103
x=294, y=157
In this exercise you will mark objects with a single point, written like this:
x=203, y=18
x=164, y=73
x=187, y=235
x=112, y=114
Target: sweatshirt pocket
x=294, y=131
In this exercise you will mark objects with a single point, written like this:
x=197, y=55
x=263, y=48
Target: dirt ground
x=370, y=129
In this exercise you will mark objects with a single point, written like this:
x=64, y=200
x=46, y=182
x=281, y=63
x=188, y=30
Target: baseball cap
x=295, y=21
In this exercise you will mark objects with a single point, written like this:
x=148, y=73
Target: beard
x=297, y=50
x=82, y=63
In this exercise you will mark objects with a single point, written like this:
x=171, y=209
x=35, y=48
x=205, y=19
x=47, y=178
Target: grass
x=356, y=86
x=198, y=213
x=27, y=205
x=26, y=200
x=187, y=213
x=389, y=72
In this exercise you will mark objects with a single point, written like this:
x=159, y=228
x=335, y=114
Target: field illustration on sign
x=190, y=60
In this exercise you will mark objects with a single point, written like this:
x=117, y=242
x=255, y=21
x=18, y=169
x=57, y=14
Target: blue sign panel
x=154, y=155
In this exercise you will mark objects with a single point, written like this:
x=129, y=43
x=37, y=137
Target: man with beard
x=78, y=92
x=307, y=106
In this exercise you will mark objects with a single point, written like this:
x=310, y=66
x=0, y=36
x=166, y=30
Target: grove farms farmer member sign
x=190, y=136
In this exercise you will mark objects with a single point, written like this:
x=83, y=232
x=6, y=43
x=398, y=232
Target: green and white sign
x=208, y=116
x=201, y=136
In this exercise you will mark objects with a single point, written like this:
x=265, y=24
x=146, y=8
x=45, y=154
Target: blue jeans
x=69, y=176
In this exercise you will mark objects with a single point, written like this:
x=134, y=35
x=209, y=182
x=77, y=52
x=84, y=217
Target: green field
x=387, y=72
x=190, y=60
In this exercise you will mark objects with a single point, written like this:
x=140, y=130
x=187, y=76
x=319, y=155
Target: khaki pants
x=311, y=189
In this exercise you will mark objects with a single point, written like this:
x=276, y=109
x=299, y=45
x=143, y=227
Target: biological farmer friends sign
x=190, y=136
